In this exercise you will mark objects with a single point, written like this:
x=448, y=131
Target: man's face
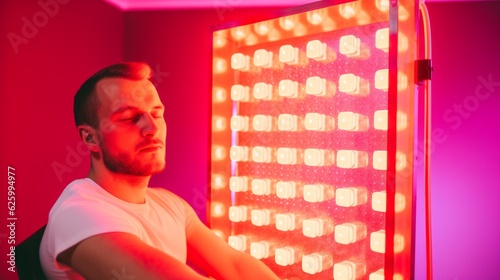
x=132, y=129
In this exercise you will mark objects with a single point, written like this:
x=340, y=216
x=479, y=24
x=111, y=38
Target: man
x=110, y=225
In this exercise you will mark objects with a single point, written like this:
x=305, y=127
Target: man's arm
x=214, y=256
x=117, y=254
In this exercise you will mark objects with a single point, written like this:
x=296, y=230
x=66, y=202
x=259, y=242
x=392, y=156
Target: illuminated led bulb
x=238, y=242
x=239, y=123
x=349, y=233
x=318, y=157
x=351, y=159
x=288, y=22
x=219, y=234
x=240, y=32
x=285, y=222
x=286, y=189
x=352, y=121
x=263, y=58
x=382, y=38
x=287, y=155
x=377, y=241
x=261, y=186
x=382, y=5
x=349, y=10
x=316, y=227
x=238, y=213
x=240, y=93
x=315, y=121
x=402, y=42
x=261, y=154
x=316, y=193
x=261, y=249
x=379, y=201
x=382, y=79
x=263, y=91
x=218, y=181
x=218, y=152
x=238, y=183
x=377, y=275
x=318, y=86
x=350, y=197
x=238, y=153
x=288, y=88
x=219, y=95
x=219, y=39
x=261, y=217
x=262, y=123
x=380, y=160
x=348, y=270
x=218, y=123
x=220, y=65
x=287, y=122
x=318, y=51
x=402, y=81
x=350, y=46
x=400, y=161
x=240, y=62
x=217, y=209
x=263, y=28
x=251, y=39
x=352, y=84
x=380, y=120
x=316, y=262
x=286, y=256
x=289, y=54
x=399, y=202
x=401, y=120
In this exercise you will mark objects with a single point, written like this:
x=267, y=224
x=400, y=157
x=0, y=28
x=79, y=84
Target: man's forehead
x=112, y=89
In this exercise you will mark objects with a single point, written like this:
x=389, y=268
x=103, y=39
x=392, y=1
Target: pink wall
x=60, y=45
x=38, y=81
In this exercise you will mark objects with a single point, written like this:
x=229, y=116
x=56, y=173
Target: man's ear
x=89, y=136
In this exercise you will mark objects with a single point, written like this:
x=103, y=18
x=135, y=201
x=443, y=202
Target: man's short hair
x=86, y=103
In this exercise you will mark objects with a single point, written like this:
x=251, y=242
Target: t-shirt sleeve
x=79, y=221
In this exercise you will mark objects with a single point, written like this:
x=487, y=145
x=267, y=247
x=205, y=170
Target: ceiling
x=132, y=5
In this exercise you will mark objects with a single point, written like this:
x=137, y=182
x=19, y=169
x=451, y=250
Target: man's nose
x=150, y=127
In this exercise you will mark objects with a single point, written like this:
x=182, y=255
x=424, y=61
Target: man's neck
x=125, y=187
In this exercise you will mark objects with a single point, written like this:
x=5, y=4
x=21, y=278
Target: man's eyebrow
x=133, y=108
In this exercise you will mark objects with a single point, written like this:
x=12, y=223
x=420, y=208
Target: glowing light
x=316, y=17
x=350, y=45
x=349, y=83
x=314, y=157
x=285, y=222
x=350, y=197
x=261, y=154
x=287, y=122
x=262, y=123
x=261, y=186
x=382, y=79
x=263, y=28
x=238, y=183
x=313, y=227
x=352, y=121
x=380, y=119
x=377, y=275
x=262, y=91
x=315, y=121
x=285, y=256
x=240, y=62
x=399, y=243
x=348, y=10
x=239, y=123
x=219, y=39
x=263, y=58
x=314, y=193
x=351, y=159
x=218, y=209
x=317, y=50
x=238, y=242
x=287, y=156
x=289, y=54
x=315, y=263
x=349, y=233
x=377, y=241
x=399, y=202
x=240, y=93
x=218, y=152
x=220, y=65
x=316, y=86
x=238, y=213
x=380, y=160
x=261, y=217
x=286, y=189
x=288, y=88
x=379, y=201
x=219, y=95
x=218, y=181
x=288, y=23
x=219, y=123
x=382, y=5
x=260, y=250
x=238, y=153
x=348, y=270
x=382, y=39
x=239, y=33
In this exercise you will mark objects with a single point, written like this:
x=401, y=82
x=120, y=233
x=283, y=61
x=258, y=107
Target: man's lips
x=150, y=146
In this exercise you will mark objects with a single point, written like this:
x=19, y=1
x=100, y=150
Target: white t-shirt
x=84, y=209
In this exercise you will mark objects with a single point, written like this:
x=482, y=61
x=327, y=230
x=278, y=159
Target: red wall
x=55, y=48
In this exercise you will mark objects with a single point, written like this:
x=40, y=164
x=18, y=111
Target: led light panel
x=310, y=124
